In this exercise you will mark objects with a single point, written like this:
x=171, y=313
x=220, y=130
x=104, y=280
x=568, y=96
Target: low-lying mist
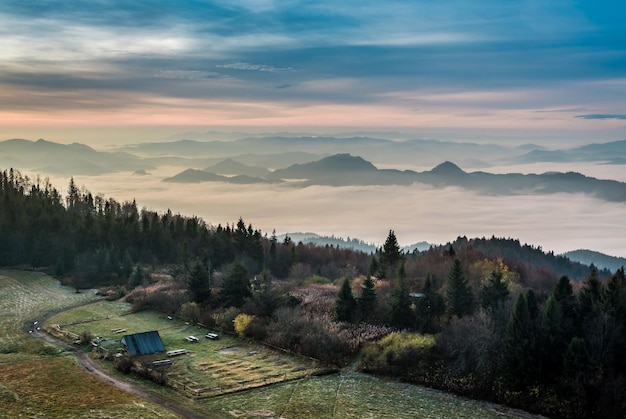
x=558, y=223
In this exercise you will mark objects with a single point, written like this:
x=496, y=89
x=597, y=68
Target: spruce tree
x=391, y=255
x=564, y=295
x=459, y=296
x=367, y=300
x=591, y=296
x=198, y=282
x=400, y=313
x=520, y=346
x=429, y=307
x=616, y=296
x=494, y=293
x=554, y=341
x=345, y=304
x=235, y=286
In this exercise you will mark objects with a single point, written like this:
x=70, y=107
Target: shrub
x=224, y=320
x=242, y=323
x=85, y=337
x=123, y=364
x=317, y=279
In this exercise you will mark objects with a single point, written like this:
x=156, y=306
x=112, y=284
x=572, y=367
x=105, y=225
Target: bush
x=224, y=320
x=85, y=337
x=123, y=364
x=405, y=355
x=242, y=323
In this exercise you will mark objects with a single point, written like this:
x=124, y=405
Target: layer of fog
x=557, y=223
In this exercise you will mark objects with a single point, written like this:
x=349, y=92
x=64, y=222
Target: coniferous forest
x=489, y=318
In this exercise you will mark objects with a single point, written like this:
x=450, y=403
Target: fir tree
x=591, y=296
x=367, y=300
x=460, y=299
x=400, y=313
x=345, y=304
x=429, y=307
x=391, y=255
x=520, y=346
x=235, y=286
x=198, y=283
x=494, y=293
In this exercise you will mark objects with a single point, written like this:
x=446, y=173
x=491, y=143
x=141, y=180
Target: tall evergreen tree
x=616, y=296
x=494, y=293
x=235, y=286
x=564, y=295
x=367, y=300
x=391, y=255
x=553, y=340
x=520, y=346
x=459, y=296
x=591, y=296
x=345, y=304
x=429, y=307
x=400, y=313
x=198, y=283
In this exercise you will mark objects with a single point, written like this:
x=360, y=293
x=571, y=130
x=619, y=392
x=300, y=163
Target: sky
x=526, y=69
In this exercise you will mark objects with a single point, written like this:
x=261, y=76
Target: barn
x=144, y=343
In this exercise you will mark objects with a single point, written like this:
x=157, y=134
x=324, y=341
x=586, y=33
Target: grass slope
x=37, y=380
x=235, y=363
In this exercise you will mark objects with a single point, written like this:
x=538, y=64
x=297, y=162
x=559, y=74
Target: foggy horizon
x=107, y=74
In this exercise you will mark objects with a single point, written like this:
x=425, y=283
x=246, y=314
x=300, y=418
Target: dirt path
x=97, y=371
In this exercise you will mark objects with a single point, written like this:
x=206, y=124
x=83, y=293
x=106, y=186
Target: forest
x=489, y=318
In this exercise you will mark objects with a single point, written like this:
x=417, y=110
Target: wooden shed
x=144, y=343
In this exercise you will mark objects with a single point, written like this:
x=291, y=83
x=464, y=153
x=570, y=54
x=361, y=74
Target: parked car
x=212, y=336
x=191, y=339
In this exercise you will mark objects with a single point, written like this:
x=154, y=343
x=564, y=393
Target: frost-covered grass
x=353, y=395
x=213, y=367
x=36, y=385
x=24, y=296
x=38, y=380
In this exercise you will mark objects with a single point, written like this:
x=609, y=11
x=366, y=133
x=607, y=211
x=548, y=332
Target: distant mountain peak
x=447, y=168
x=345, y=161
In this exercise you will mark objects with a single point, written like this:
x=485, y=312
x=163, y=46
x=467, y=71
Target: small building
x=144, y=343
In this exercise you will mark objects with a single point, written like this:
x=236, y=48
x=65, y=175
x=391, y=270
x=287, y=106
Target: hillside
x=600, y=260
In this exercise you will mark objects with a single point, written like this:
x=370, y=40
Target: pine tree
x=400, y=313
x=591, y=296
x=564, y=295
x=460, y=299
x=367, y=300
x=520, y=346
x=553, y=340
x=345, y=304
x=429, y=307
x=235, y=286
x=198, y=283
x=616, y=296
x=391, y=255
x=494, y=293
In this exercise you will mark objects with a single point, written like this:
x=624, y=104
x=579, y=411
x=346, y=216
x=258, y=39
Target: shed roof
x=143, y=343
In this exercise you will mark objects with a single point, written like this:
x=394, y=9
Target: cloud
x=255, y=67
x=490, y=55
x=419, y=212
x=602, y=116
x=187, y=75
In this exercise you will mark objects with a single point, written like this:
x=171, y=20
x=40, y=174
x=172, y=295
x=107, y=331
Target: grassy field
x=212, y=367
x=37, y=380
x=234, y=364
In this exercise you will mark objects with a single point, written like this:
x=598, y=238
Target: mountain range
x=348, y=170
x=281, y=151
